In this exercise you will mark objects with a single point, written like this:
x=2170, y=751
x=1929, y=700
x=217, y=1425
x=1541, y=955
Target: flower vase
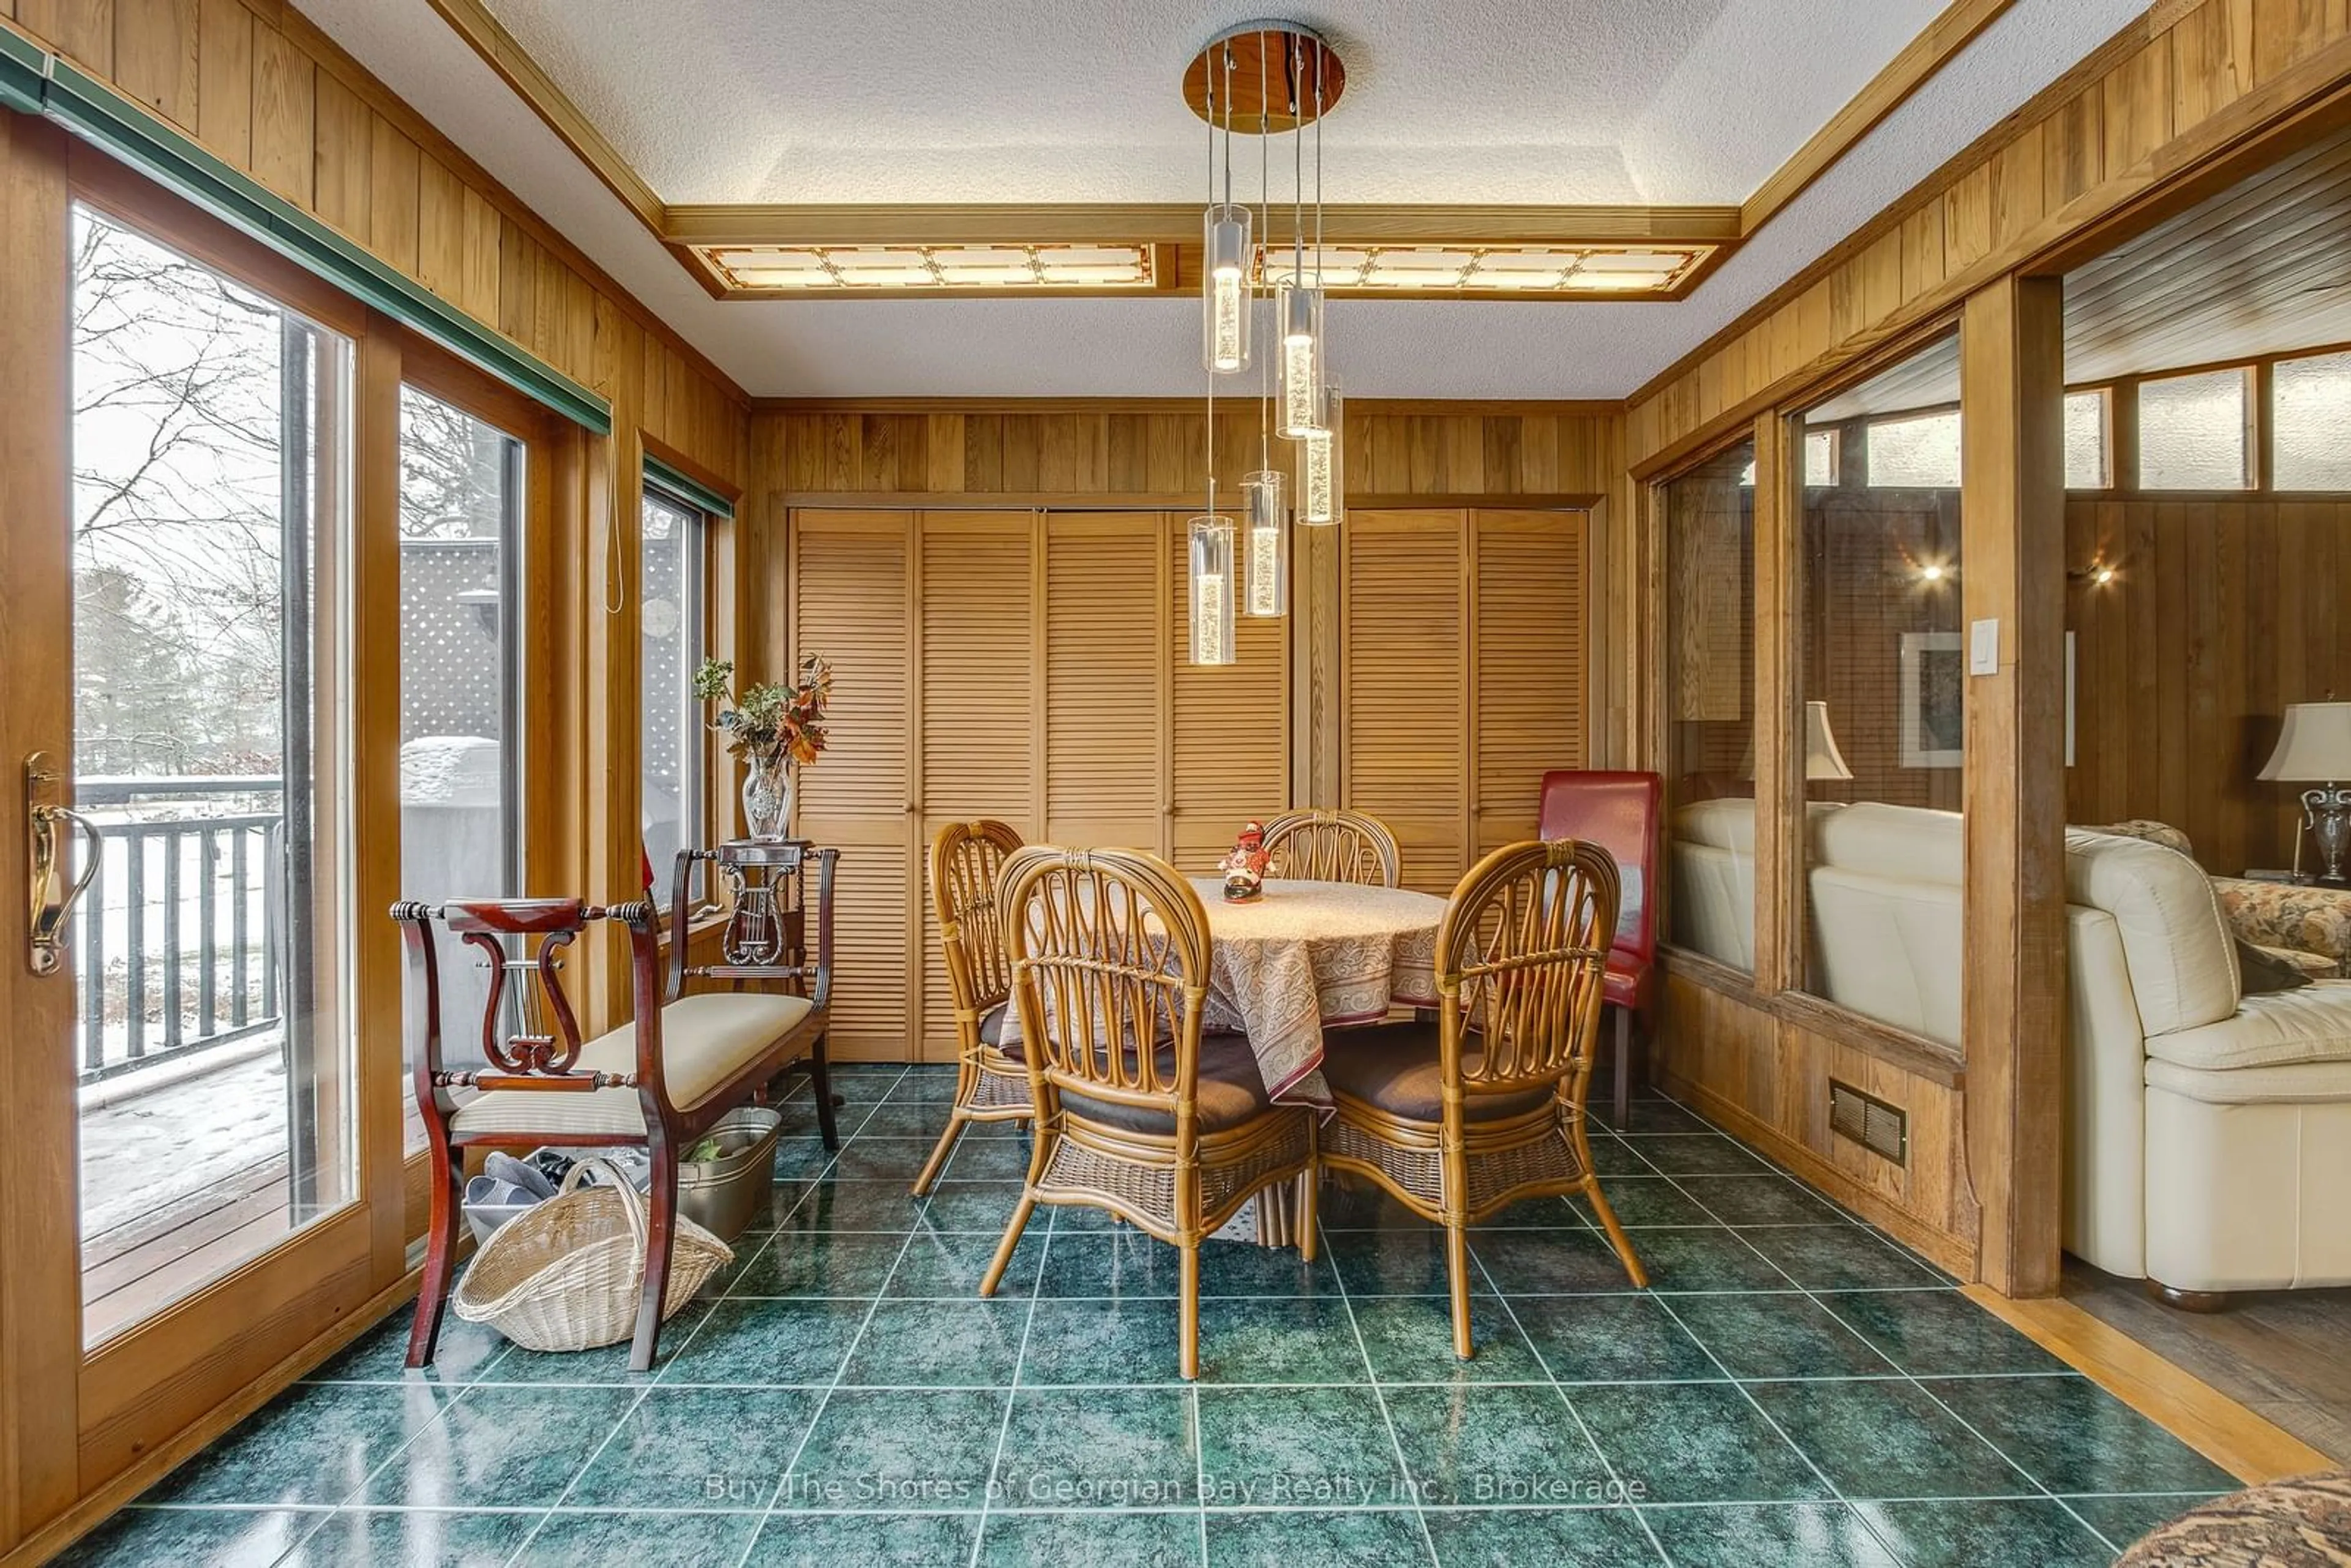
x=767, y=798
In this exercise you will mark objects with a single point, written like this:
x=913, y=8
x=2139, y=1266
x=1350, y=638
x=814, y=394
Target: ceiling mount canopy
x=1302, y=73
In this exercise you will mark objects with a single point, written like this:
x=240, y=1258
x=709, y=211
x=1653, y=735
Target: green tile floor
x=1796, y=1388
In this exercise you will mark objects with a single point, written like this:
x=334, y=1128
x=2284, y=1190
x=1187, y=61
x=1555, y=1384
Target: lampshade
x=1822, y=758
x=2314, y=745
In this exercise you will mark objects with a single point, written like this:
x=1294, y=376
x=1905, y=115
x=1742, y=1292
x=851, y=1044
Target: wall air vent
x=1880, y=1128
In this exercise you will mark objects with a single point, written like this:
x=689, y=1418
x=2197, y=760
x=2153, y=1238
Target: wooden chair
x=1334, y=846
x=657, y=1082
x=1486, y=1107
x=967, y=860
x=1135, y=1112
x=1618, y=811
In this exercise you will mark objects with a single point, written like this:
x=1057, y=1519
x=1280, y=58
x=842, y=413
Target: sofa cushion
x=2311, y=1024
x=706, y=1041
x=2288, y=1083
x=2146, y=828
x=2261, y=970
x=2182, y=958
x=1906, y=843
x=1727, y=823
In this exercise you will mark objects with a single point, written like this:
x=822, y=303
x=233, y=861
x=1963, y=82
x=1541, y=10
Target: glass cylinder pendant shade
x=1225, y=289
x=1297, y=311
x=1265, y=539
x=1212, y=592
x=1322, y=464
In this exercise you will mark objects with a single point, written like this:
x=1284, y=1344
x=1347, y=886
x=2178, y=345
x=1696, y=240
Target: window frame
x=697, y=816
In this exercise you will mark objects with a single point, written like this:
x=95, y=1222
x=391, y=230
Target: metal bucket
x=726, y=1194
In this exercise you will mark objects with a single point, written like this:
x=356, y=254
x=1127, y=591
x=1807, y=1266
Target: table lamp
x=2314, y=746
x=1822, y=758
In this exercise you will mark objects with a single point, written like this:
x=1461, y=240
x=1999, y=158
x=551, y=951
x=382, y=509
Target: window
x=2191, y=432
x=210, y=497
x=1914, y=452
x=1710, y=516
x=1881, y=665
x=1823, y=452
x=461, y=497
x=671, y=640
x=2087, y=417
x=2310, y=411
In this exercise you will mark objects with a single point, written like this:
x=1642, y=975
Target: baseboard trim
x=1954, y=1254
x=2248, y=1445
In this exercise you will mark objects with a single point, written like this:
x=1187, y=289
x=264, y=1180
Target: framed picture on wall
x=1933, y=709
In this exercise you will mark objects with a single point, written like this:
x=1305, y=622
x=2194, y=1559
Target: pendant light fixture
x=1322, y=464
x=1240, y=566
x=1264, y=511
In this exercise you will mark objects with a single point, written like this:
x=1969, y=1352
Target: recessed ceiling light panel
x=911, y=268
x=1517, y=270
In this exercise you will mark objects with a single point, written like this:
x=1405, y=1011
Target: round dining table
x=1304, y=961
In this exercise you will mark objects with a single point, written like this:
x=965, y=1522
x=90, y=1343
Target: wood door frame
x=79, y=1430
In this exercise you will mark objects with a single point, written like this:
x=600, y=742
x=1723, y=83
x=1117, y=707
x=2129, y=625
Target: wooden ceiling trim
x=1905, y=74
x=1010, y=223
x=472, y=21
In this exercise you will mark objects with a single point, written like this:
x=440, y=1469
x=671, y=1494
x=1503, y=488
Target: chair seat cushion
x=706, y=1041
x=1395, y=1067
x=1626, y=983
x=1232, y=1092
x=991, y=1024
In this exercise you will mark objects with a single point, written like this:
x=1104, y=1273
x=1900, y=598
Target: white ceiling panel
x=1433, y=348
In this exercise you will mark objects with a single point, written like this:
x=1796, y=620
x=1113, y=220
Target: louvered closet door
x=851, y=596
x=1105, y=726
x=1230, y=758
x=978, y=744
x=1527, y=632
x=1405, y=721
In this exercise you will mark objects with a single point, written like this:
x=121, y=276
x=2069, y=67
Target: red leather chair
x=1618, y=811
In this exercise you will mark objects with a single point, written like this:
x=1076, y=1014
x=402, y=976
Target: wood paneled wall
x=265, y=91
x=1765, y=1076
x=2182, y=83
x=2222, y=612
x=1158, y=447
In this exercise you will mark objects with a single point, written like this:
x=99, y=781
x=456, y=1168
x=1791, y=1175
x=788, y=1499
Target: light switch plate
x=1983, y=647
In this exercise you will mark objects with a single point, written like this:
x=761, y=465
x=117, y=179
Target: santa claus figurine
x=1244, y=869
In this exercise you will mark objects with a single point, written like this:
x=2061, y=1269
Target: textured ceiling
x=1076, y=100
x=1435, y=348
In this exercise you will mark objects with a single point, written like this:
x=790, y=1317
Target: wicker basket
x=566, y=1275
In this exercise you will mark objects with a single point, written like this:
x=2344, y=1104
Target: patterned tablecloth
x=1306, y=956
x=1310, y=956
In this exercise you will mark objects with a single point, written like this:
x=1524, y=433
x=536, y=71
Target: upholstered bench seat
x=706, y=1040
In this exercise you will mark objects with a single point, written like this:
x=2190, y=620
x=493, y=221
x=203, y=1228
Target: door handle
x=54, y=895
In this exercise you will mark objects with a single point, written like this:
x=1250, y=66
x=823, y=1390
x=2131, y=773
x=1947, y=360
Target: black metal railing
x=177, y=942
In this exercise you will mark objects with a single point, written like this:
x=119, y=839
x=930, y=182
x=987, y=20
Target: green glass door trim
x=101, y=115
x=686, y=489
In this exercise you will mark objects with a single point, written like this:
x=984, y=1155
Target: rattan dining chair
x=1137, y=1113
x=967, y=860
x=1485, y=1107
x=1334, y=846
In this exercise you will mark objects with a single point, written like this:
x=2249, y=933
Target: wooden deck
x=179, y=1186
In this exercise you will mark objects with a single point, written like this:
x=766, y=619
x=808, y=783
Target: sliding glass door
x=211, y=1042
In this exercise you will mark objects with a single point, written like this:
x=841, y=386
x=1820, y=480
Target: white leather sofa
x=2209, y=1133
